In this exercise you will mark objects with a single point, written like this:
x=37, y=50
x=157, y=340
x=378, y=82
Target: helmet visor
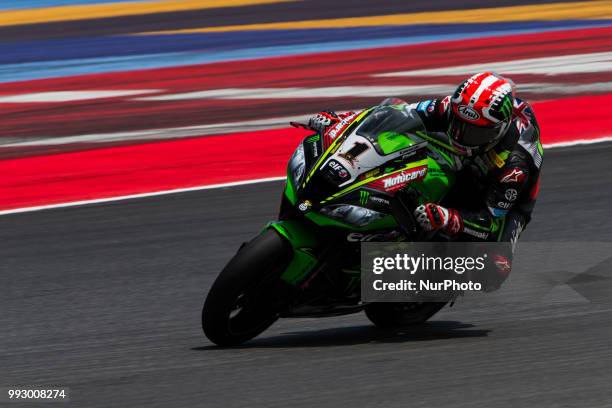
x=469, y=135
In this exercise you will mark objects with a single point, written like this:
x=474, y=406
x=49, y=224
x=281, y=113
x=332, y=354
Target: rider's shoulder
x=522, y=103
x=523, y=116
x=520, y=145
x=430, y=107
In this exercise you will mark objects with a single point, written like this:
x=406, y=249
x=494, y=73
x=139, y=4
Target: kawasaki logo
x=403, y=178
x=468, y=113
x=474, y=233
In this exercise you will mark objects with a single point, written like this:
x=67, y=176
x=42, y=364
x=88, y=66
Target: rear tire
x=395, y=315
x=247, y=296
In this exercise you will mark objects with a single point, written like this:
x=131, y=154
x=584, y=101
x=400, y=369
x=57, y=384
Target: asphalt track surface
x=106, y=299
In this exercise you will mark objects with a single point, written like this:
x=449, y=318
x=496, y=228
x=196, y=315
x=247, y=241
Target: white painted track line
x=71, y=96
x=141, y=195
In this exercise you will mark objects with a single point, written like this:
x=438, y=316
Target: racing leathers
x=495, y=192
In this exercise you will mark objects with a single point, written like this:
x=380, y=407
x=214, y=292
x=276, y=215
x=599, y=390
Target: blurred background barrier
x=112, y=79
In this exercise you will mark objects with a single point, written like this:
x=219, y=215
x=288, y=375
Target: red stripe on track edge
x=160, y=166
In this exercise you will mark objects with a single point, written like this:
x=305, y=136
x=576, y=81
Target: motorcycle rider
x=494, y=139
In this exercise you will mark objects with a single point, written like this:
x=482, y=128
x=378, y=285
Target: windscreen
x=390, y=128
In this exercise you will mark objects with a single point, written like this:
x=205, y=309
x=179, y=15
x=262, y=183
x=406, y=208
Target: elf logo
x=468, y=113
x=338, y=169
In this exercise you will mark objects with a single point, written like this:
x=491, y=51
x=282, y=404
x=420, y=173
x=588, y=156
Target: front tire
x=247, y=296
x=396, y=315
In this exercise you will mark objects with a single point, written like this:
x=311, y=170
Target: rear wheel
x=248, y=294
x=393, y=315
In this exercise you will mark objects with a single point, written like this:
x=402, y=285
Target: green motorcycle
x=340, y=191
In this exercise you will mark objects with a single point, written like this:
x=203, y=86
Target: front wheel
x=247, y=296
x=395, y=315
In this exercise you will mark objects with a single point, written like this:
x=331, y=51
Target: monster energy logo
x=364, y=196
x=506, y=108
x=313, y=139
